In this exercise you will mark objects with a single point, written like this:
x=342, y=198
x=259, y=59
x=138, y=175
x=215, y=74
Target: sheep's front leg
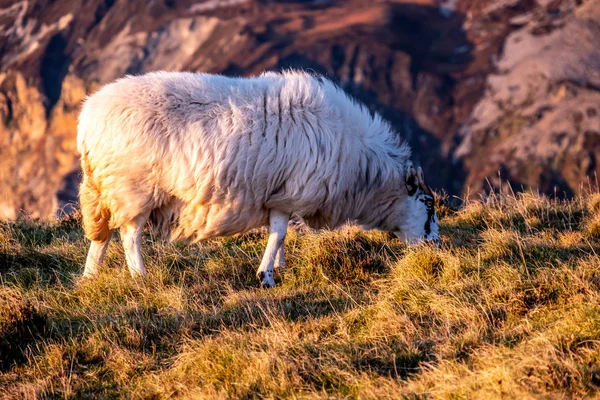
x=278, y=228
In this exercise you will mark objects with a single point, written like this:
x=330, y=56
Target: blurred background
x=485, y=91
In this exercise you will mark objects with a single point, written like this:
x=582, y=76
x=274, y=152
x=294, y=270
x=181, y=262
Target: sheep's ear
x=421, y=177
x=412, y=181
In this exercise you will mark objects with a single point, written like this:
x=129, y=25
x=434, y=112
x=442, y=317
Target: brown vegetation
x=509, y=306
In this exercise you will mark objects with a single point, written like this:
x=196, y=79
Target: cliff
x=476, y=86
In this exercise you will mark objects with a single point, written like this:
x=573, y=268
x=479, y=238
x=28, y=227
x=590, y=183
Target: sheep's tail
x=95, y=216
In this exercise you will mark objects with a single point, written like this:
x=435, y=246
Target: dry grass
x=509, y=306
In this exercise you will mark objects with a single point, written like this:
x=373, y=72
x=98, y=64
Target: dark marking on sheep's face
x=429, y=202
x=420, y=221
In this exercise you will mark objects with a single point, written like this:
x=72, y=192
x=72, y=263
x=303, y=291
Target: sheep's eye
x=429, y=203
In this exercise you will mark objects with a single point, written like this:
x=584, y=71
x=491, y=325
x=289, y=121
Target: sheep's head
x=419, y=221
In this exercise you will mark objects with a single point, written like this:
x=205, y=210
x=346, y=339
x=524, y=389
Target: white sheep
x=200, y=155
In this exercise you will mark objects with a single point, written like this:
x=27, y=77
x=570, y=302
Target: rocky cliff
x=476, y=86
x=538, y=122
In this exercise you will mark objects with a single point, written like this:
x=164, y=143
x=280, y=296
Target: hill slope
x=510, y=305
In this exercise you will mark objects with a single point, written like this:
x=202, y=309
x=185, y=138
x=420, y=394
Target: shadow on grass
x=540, y=254
x=30, y=266
x=18, y=333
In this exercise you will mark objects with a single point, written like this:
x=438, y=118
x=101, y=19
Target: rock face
x=538, y=122
x=476, y=86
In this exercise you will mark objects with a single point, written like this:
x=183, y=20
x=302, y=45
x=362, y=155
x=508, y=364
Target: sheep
x=199, y=156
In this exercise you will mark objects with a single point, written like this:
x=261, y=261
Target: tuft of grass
x=592, y=228
x=507, y=307
x=592, y=202
x=428, y=264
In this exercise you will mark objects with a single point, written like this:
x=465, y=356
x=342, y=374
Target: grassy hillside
x=509, y=306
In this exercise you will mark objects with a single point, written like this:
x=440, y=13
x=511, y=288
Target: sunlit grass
x=508, y=306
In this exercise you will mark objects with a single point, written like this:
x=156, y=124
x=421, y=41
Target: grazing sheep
x=201, y=155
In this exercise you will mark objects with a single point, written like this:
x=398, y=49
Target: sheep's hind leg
x=278, y=229
x=95, y=256
x=131, y=234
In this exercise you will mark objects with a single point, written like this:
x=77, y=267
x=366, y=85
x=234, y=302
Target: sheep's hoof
x=82, y=279
x=137, y=277
x=137, y=273
x=266, y=279
x=87, y=275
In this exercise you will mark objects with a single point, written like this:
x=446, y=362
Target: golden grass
x=508, y=307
